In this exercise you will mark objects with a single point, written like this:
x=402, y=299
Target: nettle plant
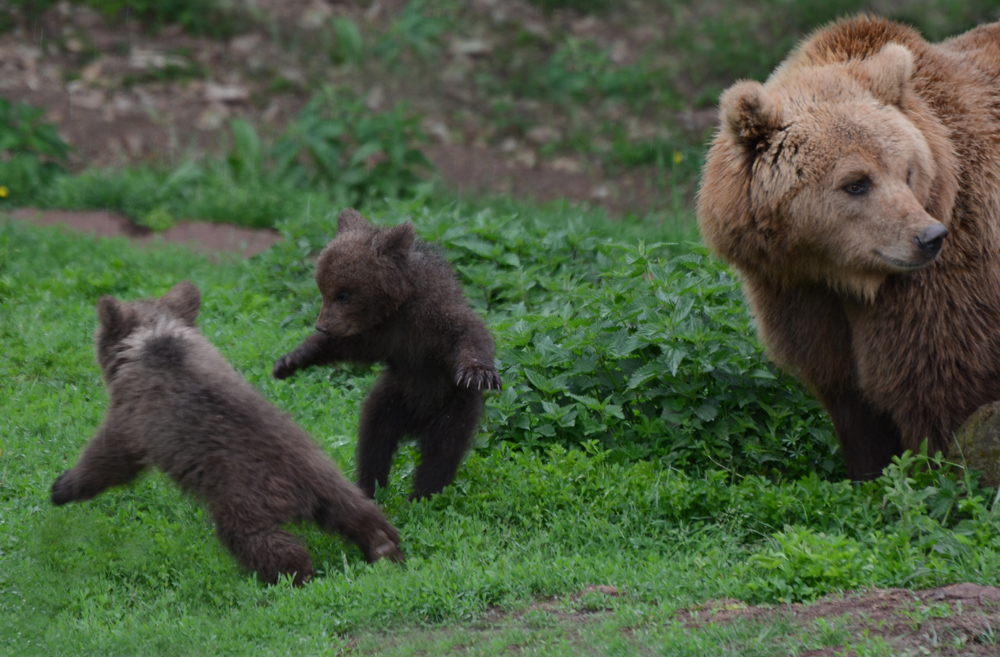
x=658, y=359
x=336, y=143
x=31, y=151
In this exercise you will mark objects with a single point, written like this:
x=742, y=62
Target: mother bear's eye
x=858, y=187
x=341, y=297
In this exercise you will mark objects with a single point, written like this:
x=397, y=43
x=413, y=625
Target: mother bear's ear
x=889, y=72
x=748, y=114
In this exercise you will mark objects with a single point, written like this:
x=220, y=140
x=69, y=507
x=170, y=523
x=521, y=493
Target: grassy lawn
x=644, y=464
x=589, y=471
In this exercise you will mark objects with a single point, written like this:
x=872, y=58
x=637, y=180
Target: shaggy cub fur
x=390, y=299
x=177, y=404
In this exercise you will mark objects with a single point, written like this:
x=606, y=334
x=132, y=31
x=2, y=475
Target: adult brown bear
x=857, y=192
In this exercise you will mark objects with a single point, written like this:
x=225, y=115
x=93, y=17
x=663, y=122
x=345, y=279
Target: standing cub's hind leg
x=382, y=425
x=444, y=442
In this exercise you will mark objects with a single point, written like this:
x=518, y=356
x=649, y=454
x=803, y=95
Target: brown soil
x=961, y=619
x=201, y=236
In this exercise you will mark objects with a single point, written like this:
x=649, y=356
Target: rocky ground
x=121, y=93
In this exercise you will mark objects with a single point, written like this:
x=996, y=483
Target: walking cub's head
x=363, y=275
x=143, y=323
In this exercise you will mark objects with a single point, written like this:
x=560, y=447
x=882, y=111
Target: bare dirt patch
x=961, y=619
x=200, y=236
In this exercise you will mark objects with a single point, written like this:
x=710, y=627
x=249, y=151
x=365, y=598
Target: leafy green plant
x=416, y=32
x=204, y=17
x=583, y=6
x=335, y=143
x=930, y=512
x=31, y=151
x=349, y=46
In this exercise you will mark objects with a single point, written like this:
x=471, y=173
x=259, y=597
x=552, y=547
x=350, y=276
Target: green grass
x=530, y=518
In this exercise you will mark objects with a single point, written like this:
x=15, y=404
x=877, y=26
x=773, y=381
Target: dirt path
x=200, y=236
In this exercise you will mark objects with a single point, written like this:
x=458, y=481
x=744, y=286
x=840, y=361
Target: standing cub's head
x=146, y=326
x=363, y=275
x=834, y=173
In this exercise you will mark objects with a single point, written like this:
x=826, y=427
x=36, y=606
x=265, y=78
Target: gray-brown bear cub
x=389, y=298
x=177, y=404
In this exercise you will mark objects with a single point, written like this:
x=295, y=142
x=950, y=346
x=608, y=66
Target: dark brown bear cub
x=177, y=404
x=391, y=299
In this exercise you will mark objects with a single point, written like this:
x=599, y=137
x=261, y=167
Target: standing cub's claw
x=283, y=368
x=478, y=378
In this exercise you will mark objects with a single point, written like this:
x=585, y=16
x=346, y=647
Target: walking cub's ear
x=183, y=300
x=395, y=242
x=351, y=220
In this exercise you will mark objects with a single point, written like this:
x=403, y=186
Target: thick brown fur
x=175, y=403
x=829, y=188
x=389, y=298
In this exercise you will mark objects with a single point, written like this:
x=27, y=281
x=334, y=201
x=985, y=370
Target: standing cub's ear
x=183, y=300
x=350, y=219
x=395, y=241
x=889, y=72
x=748, y=114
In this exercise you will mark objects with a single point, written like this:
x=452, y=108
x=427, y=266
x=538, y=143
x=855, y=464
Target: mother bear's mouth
x=905, y=265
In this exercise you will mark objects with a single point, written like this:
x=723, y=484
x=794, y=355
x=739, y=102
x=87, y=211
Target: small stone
x=438, y=130
x=315, y=15
x=600, y=193
x=225, y=93
x=245, y=44
x=92, y=71
x=91, y=99
x=213, y=117
x=470, y=47
x=619, y=52
x=375, y=99
x=134, y=143
x=542, y=134
x=977, y=444
x=566, y=164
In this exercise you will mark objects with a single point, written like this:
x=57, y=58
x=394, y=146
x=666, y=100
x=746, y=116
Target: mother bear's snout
x=930, y=240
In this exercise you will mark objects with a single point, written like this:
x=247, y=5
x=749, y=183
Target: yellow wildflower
x=4, y=192
x=678, y=157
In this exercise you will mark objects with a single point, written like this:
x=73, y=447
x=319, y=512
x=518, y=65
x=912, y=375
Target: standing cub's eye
x=909, y=178
x=858, y=187
x=341, y=297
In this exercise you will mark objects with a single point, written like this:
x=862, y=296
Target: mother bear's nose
x=931, y=239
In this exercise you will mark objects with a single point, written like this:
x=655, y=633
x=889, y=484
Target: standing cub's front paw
x=477, y=377
x=62, y=489
x=284, y=367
